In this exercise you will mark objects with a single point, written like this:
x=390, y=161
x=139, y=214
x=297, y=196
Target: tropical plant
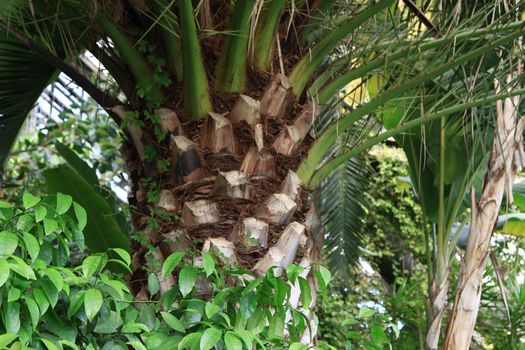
x=218, y=100
x=449, y=157
x=52, y=300
x=501, y=320
x=79, y=132
x=393, y=251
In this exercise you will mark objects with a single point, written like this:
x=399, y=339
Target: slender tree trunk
x=437, y=307
x=499, y=178
x=232, y=187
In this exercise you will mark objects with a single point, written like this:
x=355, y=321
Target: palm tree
x=218, y=100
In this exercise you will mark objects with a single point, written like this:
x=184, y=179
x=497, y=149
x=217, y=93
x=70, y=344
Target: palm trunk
x=436, y=310
x=499, y=178
x=233, y=186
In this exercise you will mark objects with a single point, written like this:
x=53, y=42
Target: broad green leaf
x=50, y=226
x=365, y=312
x=6, y=339
x=25, y=222
x=153, y=284
x=246, y=336
x=320, y=281
x=306, y=293
x=49, y=344
x=20, y=267
x=210, y=337
x=171, y=262
x=298, y=346
x=112, y=345
x=232, y=342
x=13, y=294
x=32, y=246
x=92, y=302
x=78, y=164
x=378, y=335
x=90, y=265
x=29, y=200
x=56, y=278
x=9, y=243
x=136, y=345
x=209, y=263
x=135, y=328
x=226, y=318
x=124, y=255
x=64, y=202
x=81, y=215
x=248, y=305
x=189, y=340
x=160, y=341
x=40, y=213
x=276, y=328
x=69, y=344
x=325, y=274
x=50, y=290
x=395, y=328
x=33, y=309
x=293, y=271
x=12, y=318
x=173, y=322
x=349, y=322
x=281, y=290
x=102, y=231
x=211, y=309
x=60, y=327
x=171, y=342
x=187, y=278
x=118, y=287
x=4, y=271
x=147, y=316
x=513, y=224
x=75, y=302
x=41, y=300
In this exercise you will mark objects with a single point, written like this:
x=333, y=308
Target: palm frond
x=24, y=75
x=339, y=201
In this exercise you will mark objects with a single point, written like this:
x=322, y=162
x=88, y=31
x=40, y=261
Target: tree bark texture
x=231, y=188
x=499, y=178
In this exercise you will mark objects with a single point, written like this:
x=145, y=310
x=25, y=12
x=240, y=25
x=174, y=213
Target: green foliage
x=87, y=133
x=51, y=301
x=394, y=221
x=46, y=301
x=88, y=147
x=502, y=329
x=370, y=331
x=393, y=248
x=103, y=230
x=340, y=203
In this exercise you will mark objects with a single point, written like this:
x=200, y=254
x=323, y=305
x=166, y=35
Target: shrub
x=52, y=300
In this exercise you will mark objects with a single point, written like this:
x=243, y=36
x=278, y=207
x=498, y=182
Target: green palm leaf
x=24, y=75
x=341, y=209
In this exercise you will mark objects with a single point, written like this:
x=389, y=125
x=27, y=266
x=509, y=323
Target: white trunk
x=499, y=178
x=438, y=301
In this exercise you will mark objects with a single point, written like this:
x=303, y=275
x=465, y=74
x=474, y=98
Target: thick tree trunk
x=232, y=183
x=499, y=178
